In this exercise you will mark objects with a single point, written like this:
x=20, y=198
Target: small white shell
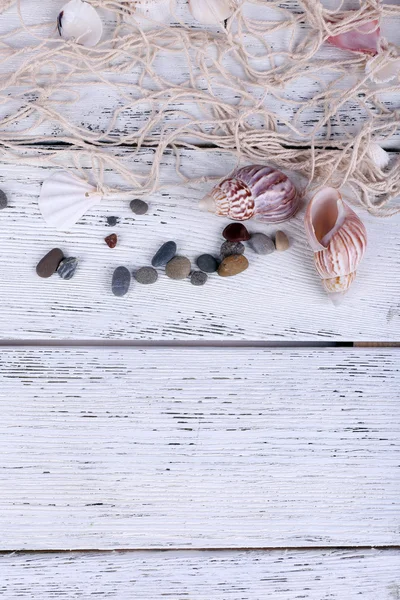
x=148, y=13
x=64, y=198
x=211, y=12
x=379, y=156
x=383, y=68
x=79, y=21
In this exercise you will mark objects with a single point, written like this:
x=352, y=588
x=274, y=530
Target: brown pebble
x=49, y=263
x=233, y=265
x=236, y=232
x=178, y=268
x=281, y=241
x=111, y=240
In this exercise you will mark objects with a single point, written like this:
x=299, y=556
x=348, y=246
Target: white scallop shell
x=383, y=68
x=64, y=198
x=211, y=12
x=380, y=157
x=148, y=13
x=79, y=21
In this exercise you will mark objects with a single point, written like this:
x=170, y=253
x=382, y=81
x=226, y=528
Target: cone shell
x=254, y=191
x=338, y=238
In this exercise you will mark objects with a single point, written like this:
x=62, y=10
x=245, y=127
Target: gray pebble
x=3, y=200
x=139, y=207
x=146, y=275
x=164, y=254
x=261, y=243
x=207, y=263
x=231, y=248
x=121, y=281
x=178, y=268
x=112, y=221
x=67, y=267
x=198, y=278
x=49, y=263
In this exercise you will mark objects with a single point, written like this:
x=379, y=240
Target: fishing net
x=232, y=87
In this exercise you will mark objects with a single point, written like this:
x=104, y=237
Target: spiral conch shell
x=254, y=191
x=338, y=238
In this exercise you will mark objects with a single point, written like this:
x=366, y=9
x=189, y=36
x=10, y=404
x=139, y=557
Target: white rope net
x=229, y=90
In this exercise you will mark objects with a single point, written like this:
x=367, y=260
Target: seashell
x=254, y=191
x=149, y=12
x=338, y=238
x=379, y=156
x=64, y=198
x=211, y=12
x=383, y=68
x=79, y=21
x=364, y=38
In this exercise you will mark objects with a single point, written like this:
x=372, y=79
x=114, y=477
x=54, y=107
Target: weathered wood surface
x=193, y=448
x=279, y=575
x=278, y=298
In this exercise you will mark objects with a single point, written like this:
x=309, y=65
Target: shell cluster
x=256, y=191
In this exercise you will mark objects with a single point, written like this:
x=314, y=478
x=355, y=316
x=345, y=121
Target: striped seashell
x=254, y=191
x=338, y=238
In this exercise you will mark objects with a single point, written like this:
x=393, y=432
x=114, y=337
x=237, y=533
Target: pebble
x=261, y=243
x=164, y=254
x=121, y=281
x=49, y=263
x=112, y=221
x=198, y=278
x=3, y=200
x=111, y=240
x=67, y=267
x=146, y=275
x=229, y=248
x=139, y=207
x=178, y=268
x=281, y=241
x=233, y=265
x=207, y=263
x=236, y=232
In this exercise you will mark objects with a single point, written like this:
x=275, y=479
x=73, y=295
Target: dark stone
x=3, y=200
x=230, y=248
x=236, y=232
x=121, y=281
x=67, y=267
x=207, y=263
x=178, y=268
x=49, y=263
x=146, y=275
x=111, y=240
x=164, y=254
x=112, y=221
x=139, y=207
x=198, y=278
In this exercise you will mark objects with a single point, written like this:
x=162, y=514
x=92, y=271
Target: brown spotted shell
x=256, y=191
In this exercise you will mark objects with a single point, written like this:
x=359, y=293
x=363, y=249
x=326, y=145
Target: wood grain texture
x=278, y=298
x=279, y=575
x=194, y=448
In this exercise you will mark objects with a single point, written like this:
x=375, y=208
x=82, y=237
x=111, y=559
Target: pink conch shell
x=338, y=239
x=254, y=191
x=364, y=38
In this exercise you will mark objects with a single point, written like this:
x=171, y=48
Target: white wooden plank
x=92, y=112
x=279, y=575
x=107, y=448
x=278, y=298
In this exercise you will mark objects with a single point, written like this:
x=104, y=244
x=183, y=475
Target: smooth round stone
x=164, y=254
x=261, y=243
x=112, y=221
x=198, y=278
x=233, y=265
x=230, y=248
x=49, y=263
x=236, y=232
x=178, y=268
x=207, y=263
x=139, y=207
x=121, y=281
x=3, y=200
x=146, y=275
x=281, y=241
x=67, y=267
